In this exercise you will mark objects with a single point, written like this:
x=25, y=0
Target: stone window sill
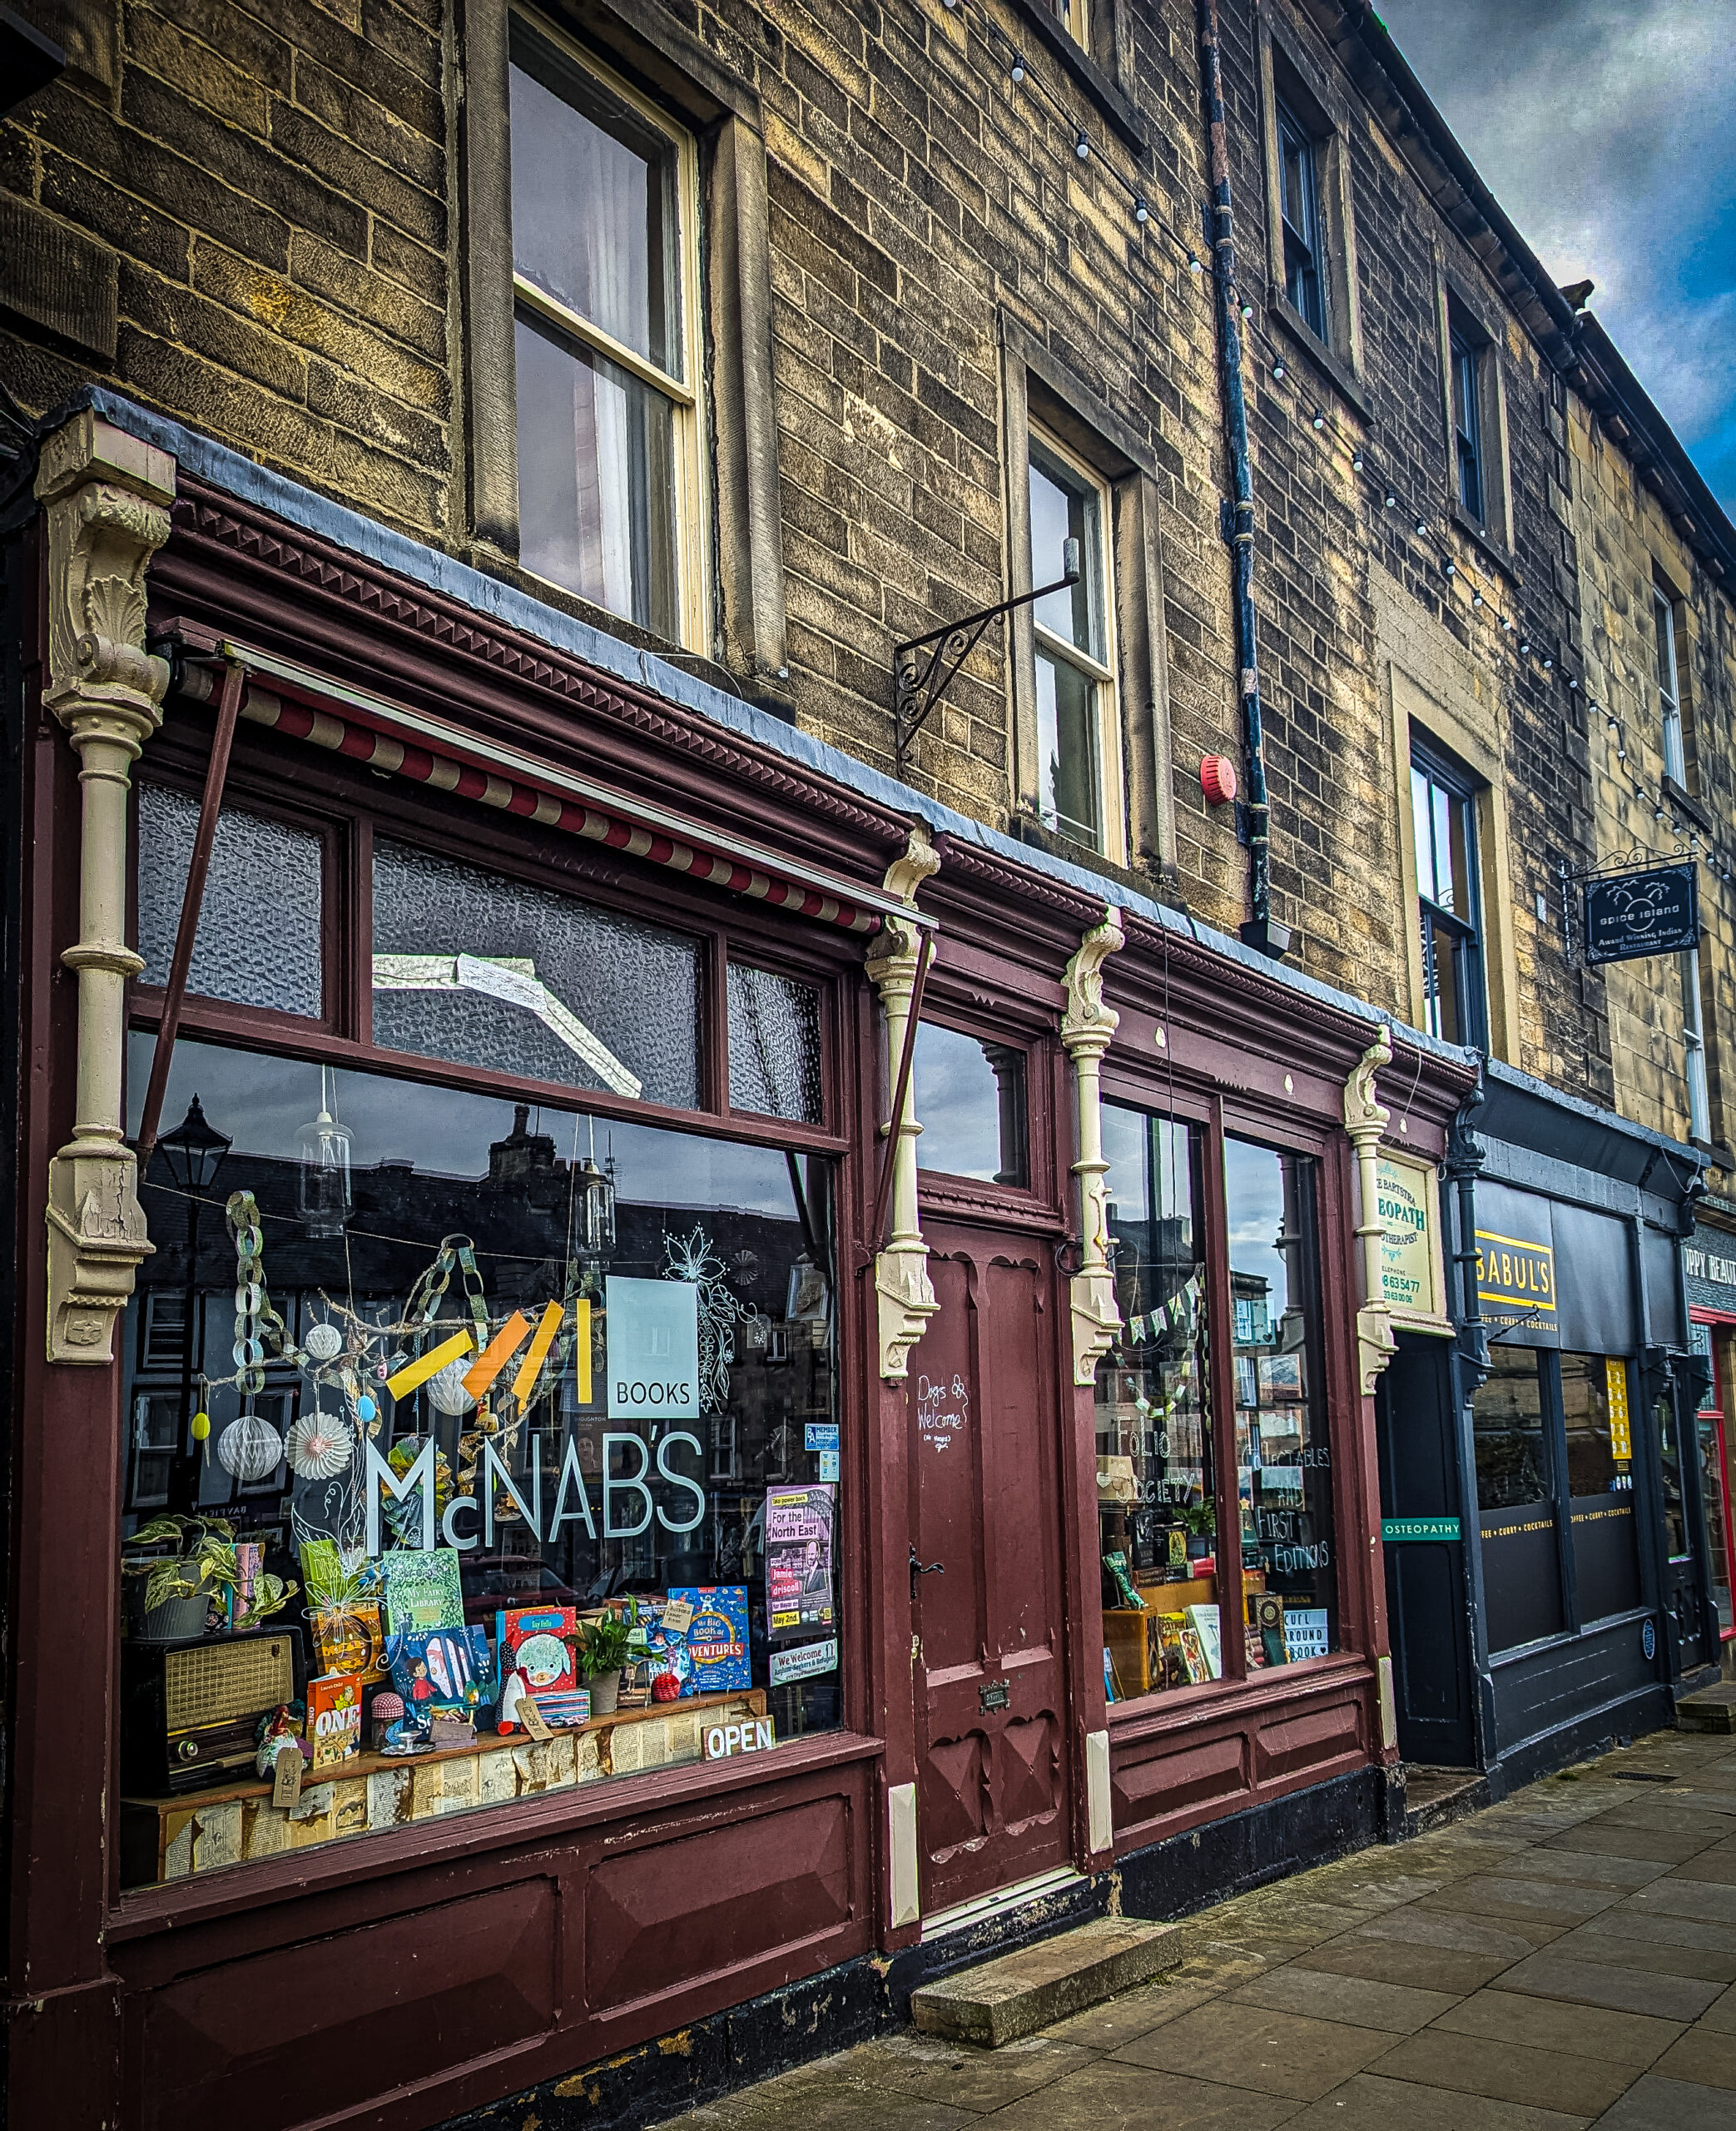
x=1124, y=122
x=1489, y=551
x=1331, y=368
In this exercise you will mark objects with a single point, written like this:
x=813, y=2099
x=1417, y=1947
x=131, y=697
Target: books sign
x=1653, y=913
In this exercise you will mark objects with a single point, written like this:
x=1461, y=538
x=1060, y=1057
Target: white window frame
x=1670, y=686
x=1105, y=690
x=684, y=393
x=1693, y=1048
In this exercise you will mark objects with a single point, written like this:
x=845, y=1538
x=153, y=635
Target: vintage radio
x=191, y=1710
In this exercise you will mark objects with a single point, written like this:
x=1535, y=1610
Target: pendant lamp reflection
x=594, y=1206
x=324, y=1185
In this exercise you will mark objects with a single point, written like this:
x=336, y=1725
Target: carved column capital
x=905, y=1296
x=1365, y=1117
x=106, y=496
x=1087, y=1029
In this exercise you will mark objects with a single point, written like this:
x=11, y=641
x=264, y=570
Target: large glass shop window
x=1162, y=1500
x=536, y=1412
x=1283, y=1450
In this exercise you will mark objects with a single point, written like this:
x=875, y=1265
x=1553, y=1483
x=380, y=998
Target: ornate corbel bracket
x=905, y=1296
x=106, y=497
x=1087, y=1029
x=1365, y=1118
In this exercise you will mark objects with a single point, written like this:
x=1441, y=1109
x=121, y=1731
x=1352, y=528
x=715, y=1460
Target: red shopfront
x=515, y=986
x=1709, y=1263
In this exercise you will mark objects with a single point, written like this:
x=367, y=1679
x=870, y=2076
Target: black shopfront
x=1563, y=1586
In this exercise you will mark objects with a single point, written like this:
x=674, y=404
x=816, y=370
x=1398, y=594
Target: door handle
x=919, y=1568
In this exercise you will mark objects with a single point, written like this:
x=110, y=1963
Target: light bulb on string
x=1017, y=70
x=1194, y=266
x=1392, y=500
x=1278, y=372
x=1355, y=462
x=1476, y=599
x=1082, y=149
x=1142, y=213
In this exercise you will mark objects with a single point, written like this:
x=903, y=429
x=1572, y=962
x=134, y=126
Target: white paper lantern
x=324, y=1341
x=249, y=1448
x=446, y=1390
x=320, y=1445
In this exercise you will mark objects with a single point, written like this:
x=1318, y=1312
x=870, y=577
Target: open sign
x=753, y=1735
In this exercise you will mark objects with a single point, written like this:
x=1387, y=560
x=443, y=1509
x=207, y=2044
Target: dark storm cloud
x=1607, y=130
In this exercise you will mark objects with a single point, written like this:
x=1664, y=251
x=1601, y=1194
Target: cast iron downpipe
x=1259, y=931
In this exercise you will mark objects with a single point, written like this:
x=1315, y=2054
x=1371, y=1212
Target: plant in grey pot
x=601, y=1656
x=180, y=1587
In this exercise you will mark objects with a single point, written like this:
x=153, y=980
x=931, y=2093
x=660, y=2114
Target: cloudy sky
x=1607, y=130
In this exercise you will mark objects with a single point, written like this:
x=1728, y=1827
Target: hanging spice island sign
x=1653, y=913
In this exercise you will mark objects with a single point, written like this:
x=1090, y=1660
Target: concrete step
x=1435, y=1797
x=1018, y=1992
x=1707, y=1709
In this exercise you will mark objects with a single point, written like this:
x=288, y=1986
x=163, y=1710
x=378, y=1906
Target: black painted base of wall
x=1249, y=1850
x=865, y=1997
x=1630, y=1717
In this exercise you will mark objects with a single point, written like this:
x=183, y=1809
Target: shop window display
x=1283, y=1448
x=1162, y=1498
x=530, y=1416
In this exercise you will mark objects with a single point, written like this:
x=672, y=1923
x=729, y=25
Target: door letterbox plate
x=998, y=1694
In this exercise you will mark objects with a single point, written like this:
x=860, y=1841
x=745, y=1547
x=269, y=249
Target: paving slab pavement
x=1562, y=1960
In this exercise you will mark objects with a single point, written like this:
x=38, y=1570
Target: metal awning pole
x=229, y=706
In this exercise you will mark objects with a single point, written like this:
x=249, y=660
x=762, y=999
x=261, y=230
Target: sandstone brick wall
x=271, y=180
x=261, y=194
x=1625, y=540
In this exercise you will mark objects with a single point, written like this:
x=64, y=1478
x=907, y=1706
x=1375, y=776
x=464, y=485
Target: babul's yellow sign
x=1516, y=1280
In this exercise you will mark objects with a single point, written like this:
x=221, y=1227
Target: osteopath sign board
x=653, y=1349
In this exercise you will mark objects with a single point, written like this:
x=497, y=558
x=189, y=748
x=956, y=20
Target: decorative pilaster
x=106, y=496
x=900, y=1271
x=1087, y=1028
x=1365, y=1118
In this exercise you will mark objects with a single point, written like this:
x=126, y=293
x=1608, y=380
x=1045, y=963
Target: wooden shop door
x=988, y=1671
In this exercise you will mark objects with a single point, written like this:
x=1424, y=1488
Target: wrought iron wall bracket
x=925, y=668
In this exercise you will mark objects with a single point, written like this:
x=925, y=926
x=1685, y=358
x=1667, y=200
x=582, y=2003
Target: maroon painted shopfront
x=516, y=944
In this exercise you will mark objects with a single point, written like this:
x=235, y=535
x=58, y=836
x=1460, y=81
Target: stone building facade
x=919, y=296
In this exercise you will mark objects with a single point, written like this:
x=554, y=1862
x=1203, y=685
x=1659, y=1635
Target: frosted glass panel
x=488, y=971
x=774, y=1044
x=255, y=947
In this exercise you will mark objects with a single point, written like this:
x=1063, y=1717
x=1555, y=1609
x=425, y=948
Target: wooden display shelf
x=172, y=1838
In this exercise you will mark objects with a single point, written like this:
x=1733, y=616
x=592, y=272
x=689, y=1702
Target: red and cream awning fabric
x=368, y=730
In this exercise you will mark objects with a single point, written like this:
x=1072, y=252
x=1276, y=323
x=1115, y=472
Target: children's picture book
x=422, y=1588
x=333, y=1718
x=716, y=1638
x=442, y=1672
x=1203, y=1621
x=349, y=1638
x=539, y=1646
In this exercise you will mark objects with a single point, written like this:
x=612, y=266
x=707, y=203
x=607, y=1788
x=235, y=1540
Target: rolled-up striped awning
x=381, y=735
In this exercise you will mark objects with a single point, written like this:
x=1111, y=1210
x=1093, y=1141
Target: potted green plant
x=601, y=1656
x=1201, y=1520
x=180, y=1587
